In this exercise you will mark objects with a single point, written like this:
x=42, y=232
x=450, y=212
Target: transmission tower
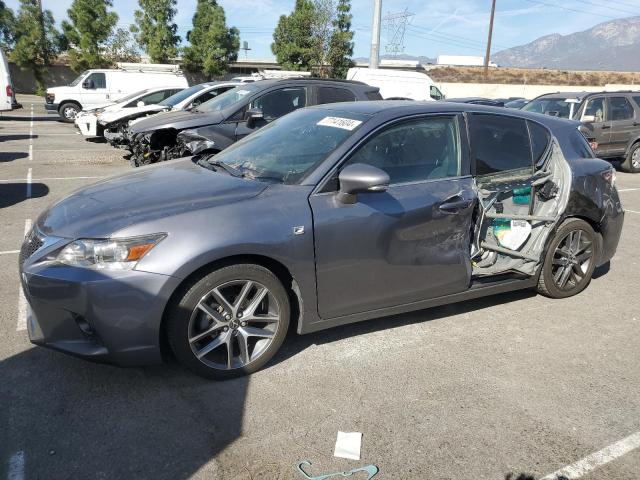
x=396, y=23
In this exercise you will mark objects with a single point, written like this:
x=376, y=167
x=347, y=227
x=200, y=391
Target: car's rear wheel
x=68, y=111
x=230, y=322
x=570, y=260
x=631, y=164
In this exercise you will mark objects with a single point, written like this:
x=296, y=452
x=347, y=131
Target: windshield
x=558, y=107
x=182, y=95
x=78, y=78
x=133, y=95
x=228, y=98
x=290, y=147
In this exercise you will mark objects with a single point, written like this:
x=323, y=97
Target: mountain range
x=613, y=45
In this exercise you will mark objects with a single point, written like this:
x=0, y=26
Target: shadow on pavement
x=11, y=156
x=74, y=419
x=295, y=343
x=27, y=118
x=14, y=193
x=14, y=137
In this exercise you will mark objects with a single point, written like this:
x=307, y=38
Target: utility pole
x=374, y=57
x=488, y=55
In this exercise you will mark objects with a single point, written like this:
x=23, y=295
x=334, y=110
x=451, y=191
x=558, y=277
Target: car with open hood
x=218, y=123
x=329, y=215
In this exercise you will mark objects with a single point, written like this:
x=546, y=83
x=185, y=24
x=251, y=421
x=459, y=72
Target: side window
x=499, y=143
x=280, y=102
x=595, y=108
x=637, y=100
x=539, y=141
x=99, y=80
x=374, y=95
x=435, y=93
x=619, y=109
x=424, y=149
x=581, y=145
x=152, y=98
x=206, y=96
x=334, y=95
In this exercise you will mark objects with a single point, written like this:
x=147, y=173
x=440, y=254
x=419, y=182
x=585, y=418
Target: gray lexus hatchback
x=329, y=215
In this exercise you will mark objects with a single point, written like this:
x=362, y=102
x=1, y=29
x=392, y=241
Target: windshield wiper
x=212, y=164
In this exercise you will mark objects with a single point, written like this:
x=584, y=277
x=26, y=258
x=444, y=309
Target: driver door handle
x=455, y=204
x=604, y=127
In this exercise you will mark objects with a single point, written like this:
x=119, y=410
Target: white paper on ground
x=348, y=445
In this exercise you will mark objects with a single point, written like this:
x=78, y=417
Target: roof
x=408, y=107
x=582, y=95
x=278, y=81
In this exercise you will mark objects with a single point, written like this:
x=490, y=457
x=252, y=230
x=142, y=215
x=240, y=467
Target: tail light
x=610, y=177
x=9, y=91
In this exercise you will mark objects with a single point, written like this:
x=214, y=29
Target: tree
x=322, y=32
x=212, y=44
x=7, y=26
x=341, y=44
x=155, y=30
x=293, y=39
x=121, y=47
x=87, y=32
x=37, y=40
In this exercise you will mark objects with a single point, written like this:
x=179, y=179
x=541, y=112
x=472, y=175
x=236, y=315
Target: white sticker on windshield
x=339, y=122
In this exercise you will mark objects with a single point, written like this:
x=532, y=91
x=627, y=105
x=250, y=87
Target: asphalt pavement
x=510, y=384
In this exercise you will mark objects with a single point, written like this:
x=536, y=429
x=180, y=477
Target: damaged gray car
x=330, y=215
x=219, y=123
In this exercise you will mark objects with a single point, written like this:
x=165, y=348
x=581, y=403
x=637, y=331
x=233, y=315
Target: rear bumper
x=611, y=228
x=111, y=317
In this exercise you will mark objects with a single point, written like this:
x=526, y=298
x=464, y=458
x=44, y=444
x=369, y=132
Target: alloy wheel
x=635, y=159
x=70, y=113
x=572, y=259
x=233, y=324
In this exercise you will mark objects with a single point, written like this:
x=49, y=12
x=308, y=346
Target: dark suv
x=220, y=122
x=611, y=121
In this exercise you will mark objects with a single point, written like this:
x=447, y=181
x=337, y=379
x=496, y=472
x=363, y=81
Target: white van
x=6, y=87
x=398, y=84
x=101, y=87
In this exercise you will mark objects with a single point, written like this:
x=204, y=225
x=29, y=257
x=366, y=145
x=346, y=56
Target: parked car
x=220, y=122
x=518, y=103
x=396, y=84
x=611, y=121
x=97, y=88
x=477, y=101
x=87, y=120
x=7, y=95
x=329, y=215
x=116, y=124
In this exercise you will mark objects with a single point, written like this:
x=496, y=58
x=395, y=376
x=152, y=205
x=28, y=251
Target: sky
x=437, y=27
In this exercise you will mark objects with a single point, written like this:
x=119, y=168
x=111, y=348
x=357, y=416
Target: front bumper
x=103, y=316
x=51, y=107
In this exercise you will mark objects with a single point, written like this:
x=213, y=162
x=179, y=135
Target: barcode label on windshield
x=339, y=122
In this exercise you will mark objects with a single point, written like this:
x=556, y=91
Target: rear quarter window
x=334, y=95
x=580, y=145
x=374, y=95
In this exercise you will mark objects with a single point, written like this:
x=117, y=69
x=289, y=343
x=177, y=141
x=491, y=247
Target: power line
x=456, y=37
x=396, y=24
x=537, y=2
x=445, y=42
x=609, y=7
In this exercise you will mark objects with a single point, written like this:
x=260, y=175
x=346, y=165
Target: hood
x=179, y=120
x=124, y=113
x=147, y=194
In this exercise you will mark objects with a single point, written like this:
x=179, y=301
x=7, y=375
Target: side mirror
x=140, y=104
x=360, y=178
x=88, y=84
x=253, y=116
x=588, y=118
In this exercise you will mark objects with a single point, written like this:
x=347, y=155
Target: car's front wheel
x=631, y=164
x=570, y=260
x=68, y=111
x=230, y=322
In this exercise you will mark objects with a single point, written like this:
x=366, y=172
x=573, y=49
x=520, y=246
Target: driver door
x=274, y=104
x=94, y=90
x=407, y=244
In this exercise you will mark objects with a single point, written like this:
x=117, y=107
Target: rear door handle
x=604, y=127
x=454, y=204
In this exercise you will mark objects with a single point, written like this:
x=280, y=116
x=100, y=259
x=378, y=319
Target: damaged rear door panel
x=523, y=183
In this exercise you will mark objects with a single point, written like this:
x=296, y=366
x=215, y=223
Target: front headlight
x=108, y=254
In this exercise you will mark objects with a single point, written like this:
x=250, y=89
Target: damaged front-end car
x=200, y=140
x=155, y=146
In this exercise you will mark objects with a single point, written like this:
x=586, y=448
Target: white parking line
x=29, y=180
x=22, y=302
x=16, y=466
x=628, y=189
x=8, y=252
x=597, y=459
x=632, y=211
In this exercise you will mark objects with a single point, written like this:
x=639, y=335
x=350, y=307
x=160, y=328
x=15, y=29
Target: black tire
x=181, y=316
x=580, y=273
x=66, y=109
x=631, y=163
